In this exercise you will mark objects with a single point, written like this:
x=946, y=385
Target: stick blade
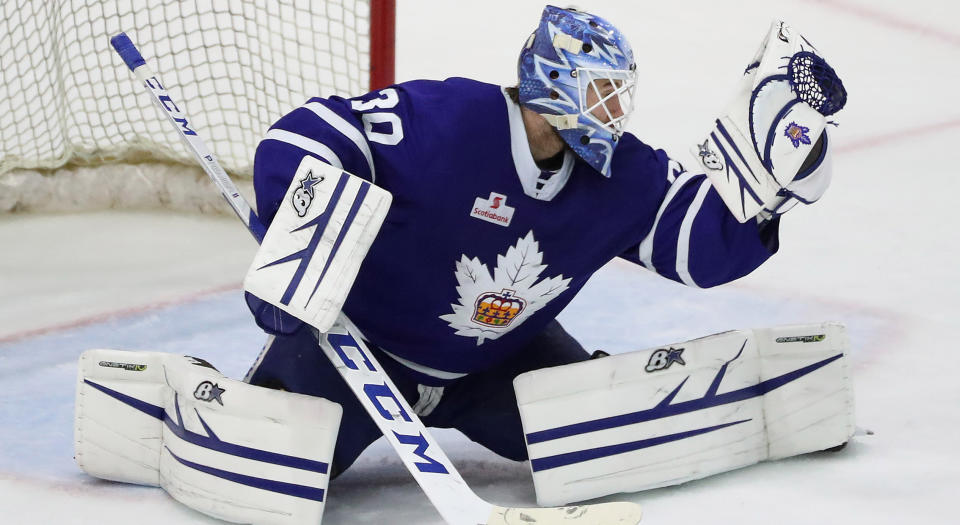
x=614, y=513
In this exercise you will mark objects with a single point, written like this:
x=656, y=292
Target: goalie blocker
x=313, y=249
x=676, y=413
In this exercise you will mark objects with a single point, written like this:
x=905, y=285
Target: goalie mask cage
x=68, y=101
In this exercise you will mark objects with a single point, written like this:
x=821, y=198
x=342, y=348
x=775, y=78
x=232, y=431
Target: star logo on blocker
x=493, y=209
x=303, y=196
x=309, y=182
x=709, y=157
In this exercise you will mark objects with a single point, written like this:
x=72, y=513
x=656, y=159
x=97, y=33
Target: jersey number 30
x=387, y=99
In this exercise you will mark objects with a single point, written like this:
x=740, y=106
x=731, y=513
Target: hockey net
x=77, y=132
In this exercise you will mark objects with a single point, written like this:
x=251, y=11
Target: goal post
x=67, y=105
x=383, y=15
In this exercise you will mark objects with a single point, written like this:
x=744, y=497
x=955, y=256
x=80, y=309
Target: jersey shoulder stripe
x=348, y=130
x=305, y=143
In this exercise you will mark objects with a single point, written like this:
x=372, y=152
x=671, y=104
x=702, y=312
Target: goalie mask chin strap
x=537, y=184
x=561, y=122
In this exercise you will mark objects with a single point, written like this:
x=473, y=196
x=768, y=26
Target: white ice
x=877, y=253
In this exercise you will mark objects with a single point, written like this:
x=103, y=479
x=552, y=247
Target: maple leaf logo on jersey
x=492, y=305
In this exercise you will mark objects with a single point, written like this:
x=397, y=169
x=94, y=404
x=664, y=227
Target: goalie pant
x=483, y=405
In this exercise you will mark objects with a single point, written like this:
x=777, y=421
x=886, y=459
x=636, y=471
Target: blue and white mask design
x=577, y=71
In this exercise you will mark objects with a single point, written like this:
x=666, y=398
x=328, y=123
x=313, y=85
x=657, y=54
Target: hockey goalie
x=432, y=231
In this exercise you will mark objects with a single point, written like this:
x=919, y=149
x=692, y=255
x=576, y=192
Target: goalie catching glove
x=769, y=149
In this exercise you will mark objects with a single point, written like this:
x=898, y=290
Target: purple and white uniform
x=481, y=249
x=471, y=261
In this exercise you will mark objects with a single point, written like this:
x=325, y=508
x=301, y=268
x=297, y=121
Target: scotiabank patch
x=493, y=210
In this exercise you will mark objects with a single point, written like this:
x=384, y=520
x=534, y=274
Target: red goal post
x=383, y=16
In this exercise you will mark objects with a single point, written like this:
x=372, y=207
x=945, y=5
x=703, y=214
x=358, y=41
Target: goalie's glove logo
x=303, y=196
x=797, y=134
x=709, y=157
x=209, y=391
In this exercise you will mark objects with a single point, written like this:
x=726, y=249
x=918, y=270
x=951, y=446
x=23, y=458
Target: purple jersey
x=481, y=249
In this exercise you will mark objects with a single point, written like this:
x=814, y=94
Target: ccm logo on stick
x=168, y=104
x=376, y=393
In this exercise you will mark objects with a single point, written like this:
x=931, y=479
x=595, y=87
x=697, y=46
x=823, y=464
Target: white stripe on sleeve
x=646, y=246
x=305, y=143
x=683, y=240
x=347, y=130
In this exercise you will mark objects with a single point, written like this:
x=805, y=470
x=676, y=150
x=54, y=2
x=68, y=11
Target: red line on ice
x=896, y=136
x=124, y=312
x=891, y=20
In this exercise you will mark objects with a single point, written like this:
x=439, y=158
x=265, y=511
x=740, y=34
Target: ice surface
x=878, y=253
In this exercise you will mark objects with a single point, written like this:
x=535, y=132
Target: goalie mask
x=577, y=71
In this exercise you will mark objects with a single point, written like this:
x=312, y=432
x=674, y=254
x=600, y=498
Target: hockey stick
x=419, y=451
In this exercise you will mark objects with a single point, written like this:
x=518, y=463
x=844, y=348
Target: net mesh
x=816, y=83
x=235, y=66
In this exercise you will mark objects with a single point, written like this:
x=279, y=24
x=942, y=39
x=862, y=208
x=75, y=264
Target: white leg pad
x=231, y=450
x=672, y=414
x=114, y=440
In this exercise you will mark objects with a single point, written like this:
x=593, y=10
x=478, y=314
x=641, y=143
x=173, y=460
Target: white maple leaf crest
x=491, y=306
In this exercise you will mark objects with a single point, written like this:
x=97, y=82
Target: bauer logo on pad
x=493, y=210
x=664, y=357
x=209, y=391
